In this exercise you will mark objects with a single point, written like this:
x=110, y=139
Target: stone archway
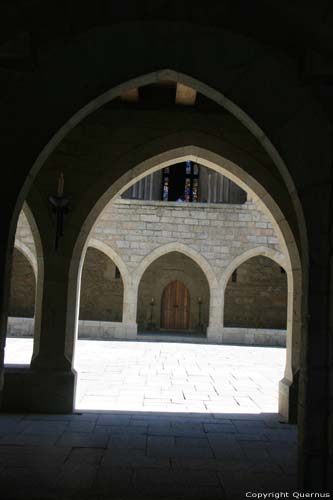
x=102, y=288
x=291, y=112
x=29, y=255
x=28, y=241
x=112, y=254
x=188, y=270
x=211, y=152
x=256, y=298
x=277, y=257
x=23, y=284
x=272, y=210
x=211, y=93
x=119, y=325
x=195, y=256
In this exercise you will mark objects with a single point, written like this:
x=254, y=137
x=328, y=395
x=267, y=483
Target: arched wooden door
x=175, y=313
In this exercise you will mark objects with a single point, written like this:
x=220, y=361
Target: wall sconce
x=59, y=205
x=152, y=304
x=199, y=306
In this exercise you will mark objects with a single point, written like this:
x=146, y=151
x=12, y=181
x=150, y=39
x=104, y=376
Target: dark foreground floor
x=118, y=455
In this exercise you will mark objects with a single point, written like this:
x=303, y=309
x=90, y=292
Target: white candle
x=61, y=183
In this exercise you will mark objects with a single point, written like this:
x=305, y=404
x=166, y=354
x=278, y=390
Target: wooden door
x=175, y=312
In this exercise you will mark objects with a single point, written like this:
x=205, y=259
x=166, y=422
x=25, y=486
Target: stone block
x=28, y=390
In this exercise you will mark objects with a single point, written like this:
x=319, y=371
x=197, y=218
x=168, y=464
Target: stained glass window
x=192, y=182
x=181, y=187
x=195, y=189
x=166, y=189
x=188, y=167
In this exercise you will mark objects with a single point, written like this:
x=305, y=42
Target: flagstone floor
x=154, y=420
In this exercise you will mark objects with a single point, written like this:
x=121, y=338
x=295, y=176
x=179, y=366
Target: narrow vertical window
x=181, y=182
x=191, y=192
x=165, y=184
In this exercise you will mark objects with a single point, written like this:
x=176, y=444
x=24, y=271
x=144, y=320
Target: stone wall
x=101, y=289
x=22, y=287
x=218, y=232
x=24, y=269
x=157, y=242
x=258, y=296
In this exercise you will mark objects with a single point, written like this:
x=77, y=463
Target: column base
x=215, y=334
x=131, y=330
x=288, y=399
x=40, y=391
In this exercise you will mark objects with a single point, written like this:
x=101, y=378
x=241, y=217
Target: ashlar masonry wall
x=214, y=236
x=217, y=233
x=138, y=236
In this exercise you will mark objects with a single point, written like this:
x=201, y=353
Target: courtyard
x=170, y=376
x=183, y=421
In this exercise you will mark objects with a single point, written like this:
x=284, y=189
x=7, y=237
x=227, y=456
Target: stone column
x=315, y=436
x=330, y=418
x=314, y=390
x=130, y=309
x=289, y=385
x=5, y=268
x=216, y=309
x=48, y=385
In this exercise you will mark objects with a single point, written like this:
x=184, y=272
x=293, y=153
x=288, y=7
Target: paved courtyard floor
x=184, y=421
x=159, y=376
x=172, y=377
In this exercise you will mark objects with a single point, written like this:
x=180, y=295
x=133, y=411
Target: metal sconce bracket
x=59, y=204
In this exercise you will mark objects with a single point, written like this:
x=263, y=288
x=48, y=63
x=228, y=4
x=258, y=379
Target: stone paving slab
x=171, y=377
x=178, y=452
x=198, y=464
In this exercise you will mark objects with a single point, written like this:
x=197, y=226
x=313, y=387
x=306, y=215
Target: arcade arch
x=102, y=288
x=255, y=295
x=23, y=283
x=257, y=192
x=191, y=282
x=209, y=151
x=290, y=118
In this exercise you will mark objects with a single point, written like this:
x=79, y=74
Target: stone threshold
x=190, y=337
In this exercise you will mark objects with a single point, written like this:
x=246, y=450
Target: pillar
x=289, y=385
x=315, y=434
x=48, y=385
x=5, y=275
x=216, y=310
x=130, y=309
